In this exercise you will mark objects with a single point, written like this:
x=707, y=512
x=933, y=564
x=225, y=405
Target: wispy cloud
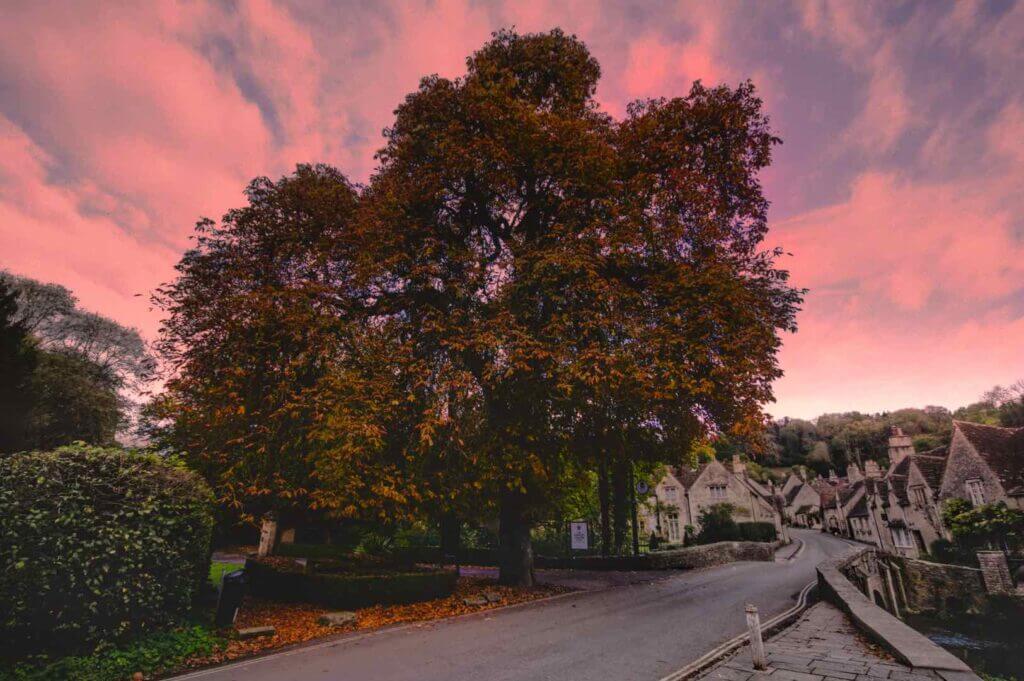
x=897, y=189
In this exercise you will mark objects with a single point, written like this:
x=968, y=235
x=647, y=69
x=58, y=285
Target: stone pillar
x=995, y=572
x=268, y=533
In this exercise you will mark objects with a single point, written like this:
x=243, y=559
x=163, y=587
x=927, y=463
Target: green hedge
x=97, y=545
x=759, y=531
x=347, y=591
x=152, y=655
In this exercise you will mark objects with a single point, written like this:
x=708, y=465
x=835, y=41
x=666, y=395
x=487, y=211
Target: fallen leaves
x=298, y=622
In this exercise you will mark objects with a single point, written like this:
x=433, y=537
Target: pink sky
x=897, y=191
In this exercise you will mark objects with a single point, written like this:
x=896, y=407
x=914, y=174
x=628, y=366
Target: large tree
x=17, y=364
x=86, y=369
x=527, y=290
x=254, y=321
x=584, y=280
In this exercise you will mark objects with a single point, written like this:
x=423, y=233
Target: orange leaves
x=297, y=623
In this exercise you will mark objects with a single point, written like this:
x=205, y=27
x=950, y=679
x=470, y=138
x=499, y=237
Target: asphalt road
x=641, y=631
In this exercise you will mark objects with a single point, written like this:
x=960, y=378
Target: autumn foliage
x=526, y=289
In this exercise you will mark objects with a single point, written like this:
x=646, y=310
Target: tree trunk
x=604, y=495
x=515, y=551
x=620, y=502
x=451, y=530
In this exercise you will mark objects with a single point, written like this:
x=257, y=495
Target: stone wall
x=689, y=558
x=909, y=646
x=935, y=588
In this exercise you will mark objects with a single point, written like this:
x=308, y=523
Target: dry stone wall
x=689, y=558
x=936, y=588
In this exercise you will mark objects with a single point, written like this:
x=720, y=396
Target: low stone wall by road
x=905, y=643
x=936, y=588
x=689, y=558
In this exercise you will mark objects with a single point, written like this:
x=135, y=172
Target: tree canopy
x=527, y=289
x=74, y=372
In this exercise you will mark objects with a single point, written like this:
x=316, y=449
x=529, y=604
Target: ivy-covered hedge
x=269, y=579
x=97, y=545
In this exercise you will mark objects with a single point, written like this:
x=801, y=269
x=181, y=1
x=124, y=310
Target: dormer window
x=717, y=492
x=976, y=492
x=918, y=495
x=671, y=492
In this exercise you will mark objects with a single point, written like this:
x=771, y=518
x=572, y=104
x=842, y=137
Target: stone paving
x=822, y=645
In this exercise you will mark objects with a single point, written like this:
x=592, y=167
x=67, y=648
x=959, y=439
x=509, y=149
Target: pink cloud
x=119, y=126
x=900, y=241
x=44, y=233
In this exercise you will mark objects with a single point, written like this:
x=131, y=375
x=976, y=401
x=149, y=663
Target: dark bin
x=232, y=588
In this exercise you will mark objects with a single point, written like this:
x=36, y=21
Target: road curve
x=643, y=632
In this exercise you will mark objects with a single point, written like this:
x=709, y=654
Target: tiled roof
x=860, y=509
x=791, y=495
x=898, y=485
x=826, y=491
x=931, y=467
x=688, y=476
x=758, y=488
x=902, y=467
x=848, y=492
x=1001, y=448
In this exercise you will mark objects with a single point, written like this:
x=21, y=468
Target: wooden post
x=756, y=642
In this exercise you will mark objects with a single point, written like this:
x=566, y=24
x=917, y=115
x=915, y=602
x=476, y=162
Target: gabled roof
x=758, y=488
x=860, y=509
x=931, y=467
x=1001, y=448
x=688, y=476
x=898, y=485
x=849, y=492
x=825, y=490
x=792, y=493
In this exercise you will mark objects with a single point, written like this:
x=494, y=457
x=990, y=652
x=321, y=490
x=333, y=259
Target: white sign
x=578, y=535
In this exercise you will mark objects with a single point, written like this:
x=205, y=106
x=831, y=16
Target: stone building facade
x=682, y=493
x=985, y=465
x=900, y=510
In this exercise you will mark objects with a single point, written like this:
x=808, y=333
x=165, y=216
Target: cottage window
x=976, y=492
x=670, y=492
x=673, y=528
x=919, y=495
x=901, y=538
x=717, y=492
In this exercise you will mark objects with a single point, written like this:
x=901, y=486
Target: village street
x=641, y=631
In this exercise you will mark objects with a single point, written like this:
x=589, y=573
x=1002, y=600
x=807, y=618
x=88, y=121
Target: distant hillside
x=833, y=440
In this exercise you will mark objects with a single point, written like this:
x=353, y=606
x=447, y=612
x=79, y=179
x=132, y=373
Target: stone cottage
x=682, y=493
x=900, y=511
x=802, y=501
x=985, y=465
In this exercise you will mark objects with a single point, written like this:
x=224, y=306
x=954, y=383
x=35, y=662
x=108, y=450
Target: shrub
x=97, y=545
x=151, y=655
x=759, y=531
x=985, y=526
x=943, y=550
x=716, y=524
x=272, y=580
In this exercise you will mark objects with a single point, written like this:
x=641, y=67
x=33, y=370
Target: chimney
x=738, y=467
x=832, y=477
x=900, y=446
x=871, y=469
x=801, y=473
x=853, y=473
